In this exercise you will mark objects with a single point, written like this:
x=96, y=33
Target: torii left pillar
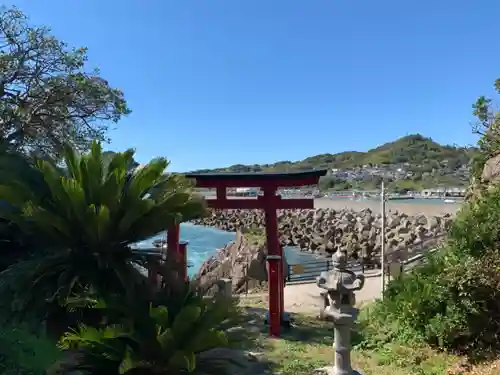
x=173, y=246
x=173, y=238
x=269, y=183
x=178, y=250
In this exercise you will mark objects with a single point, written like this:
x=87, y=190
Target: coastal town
x=357, y=177
x=397, y=172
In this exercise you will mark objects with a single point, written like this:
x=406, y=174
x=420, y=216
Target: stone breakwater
x=325, y=231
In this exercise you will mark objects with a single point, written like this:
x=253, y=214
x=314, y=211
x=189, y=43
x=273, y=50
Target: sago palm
x=166, y=335
x=88, y=212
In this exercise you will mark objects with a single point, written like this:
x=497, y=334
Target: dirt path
x=305, y=298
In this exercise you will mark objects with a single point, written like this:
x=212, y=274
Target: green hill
x=413, y=149
x=411, y=162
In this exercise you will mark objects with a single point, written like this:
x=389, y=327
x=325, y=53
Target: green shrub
x=476, y=229
x=23, y=353
x=459, y=309
x=473, y=307
x=14, y=244
x=453, y=301
x=412, y=300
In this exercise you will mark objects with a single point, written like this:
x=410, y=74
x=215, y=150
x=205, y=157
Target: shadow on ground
x=300, y=349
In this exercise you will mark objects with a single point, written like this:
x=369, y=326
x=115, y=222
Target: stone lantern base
x=330, y=370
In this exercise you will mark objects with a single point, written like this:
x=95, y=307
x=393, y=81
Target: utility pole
x=382, y=234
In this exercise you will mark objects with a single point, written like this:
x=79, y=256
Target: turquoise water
x=204, y=241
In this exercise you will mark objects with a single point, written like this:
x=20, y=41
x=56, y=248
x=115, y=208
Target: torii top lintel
x=257, y=179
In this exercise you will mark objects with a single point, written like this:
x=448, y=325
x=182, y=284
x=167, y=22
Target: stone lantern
x=340, y=285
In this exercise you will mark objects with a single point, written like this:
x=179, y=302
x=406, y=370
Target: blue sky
x=218, y=82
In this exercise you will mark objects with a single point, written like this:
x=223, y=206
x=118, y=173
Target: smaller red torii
x=269, y=183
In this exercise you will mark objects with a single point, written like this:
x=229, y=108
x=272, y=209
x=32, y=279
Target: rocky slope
x=489, y=177
x=324, y=231
x=241, y=261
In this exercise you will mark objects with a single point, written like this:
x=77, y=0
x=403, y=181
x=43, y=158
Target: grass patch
x=255, y=236
x=308, y=346
x=24, y=353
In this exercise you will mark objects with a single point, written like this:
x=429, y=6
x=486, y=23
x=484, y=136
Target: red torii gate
x=269, y=202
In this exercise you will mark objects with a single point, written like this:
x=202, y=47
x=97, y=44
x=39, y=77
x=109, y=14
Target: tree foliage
x=48, y=99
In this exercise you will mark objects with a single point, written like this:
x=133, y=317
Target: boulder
x=491, y=171
x=240, y=261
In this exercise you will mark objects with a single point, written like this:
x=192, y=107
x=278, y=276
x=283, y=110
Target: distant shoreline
x=422, y=207
x=428, y=206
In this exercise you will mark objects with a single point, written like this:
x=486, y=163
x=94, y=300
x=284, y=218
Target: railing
x=308, y=271
x=151, y=258
x=396, y=269
x=154, y=253
x=157, y=267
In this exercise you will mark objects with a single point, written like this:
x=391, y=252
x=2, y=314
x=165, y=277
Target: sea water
x=204, y=241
